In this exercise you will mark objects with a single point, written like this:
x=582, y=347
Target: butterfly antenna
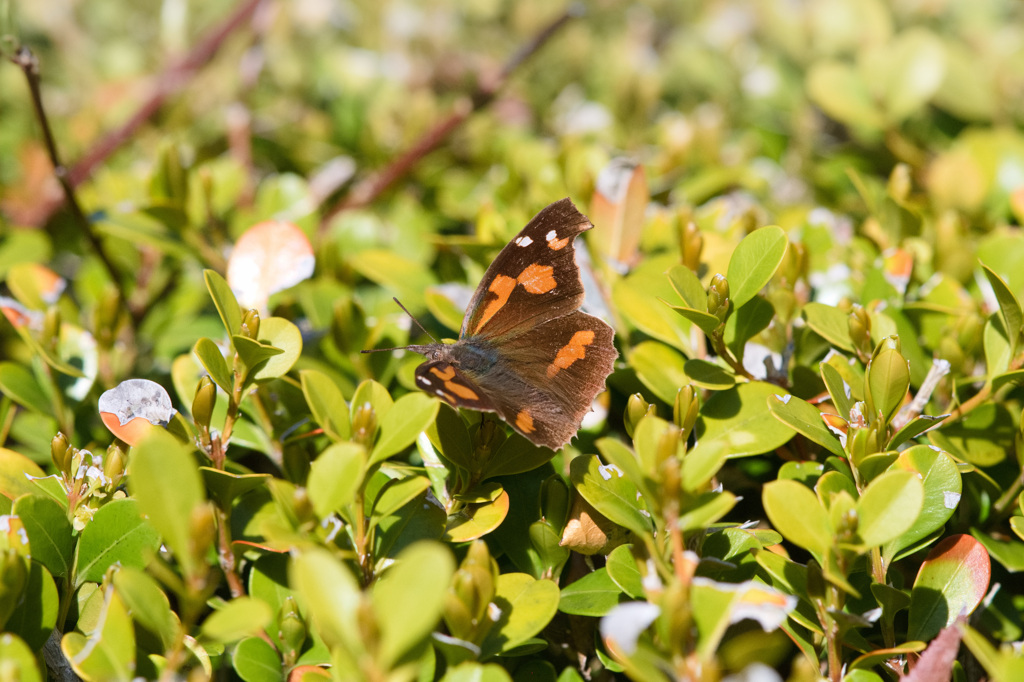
x=381, y=350
x=422, y=328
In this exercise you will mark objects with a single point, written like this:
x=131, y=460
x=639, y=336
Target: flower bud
x=364, y=424
x=59, y=447
x=860, y=330
x=51, y=327
x=203, y=403
x=251, y=324
x=636, y=409
x=899, y=182
x=684, y=410
x=114, y=466
x=718, y=297
x=692, y=245
x=107, y=316
x=292, y=632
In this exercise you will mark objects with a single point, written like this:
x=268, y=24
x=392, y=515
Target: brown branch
x=367, y=190
x=172, y=80
x=29, y=65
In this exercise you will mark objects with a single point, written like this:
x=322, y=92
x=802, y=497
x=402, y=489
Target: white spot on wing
x=425, y=381
x=551, y=236
x=524, y=241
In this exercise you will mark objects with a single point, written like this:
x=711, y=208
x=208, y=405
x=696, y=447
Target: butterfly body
x=526, y=351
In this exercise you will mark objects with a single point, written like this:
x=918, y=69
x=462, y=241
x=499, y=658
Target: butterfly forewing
x=533, y=279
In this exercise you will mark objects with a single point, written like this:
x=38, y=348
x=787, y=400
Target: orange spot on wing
x=571, y=352
x=461, y=390
x=538, y=279
x=446, y=375
x=558, y=244
x=502, y=287
x=524, y=421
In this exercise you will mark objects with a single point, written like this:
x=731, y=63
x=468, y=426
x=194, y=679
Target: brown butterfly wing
x=546, y=378
x=534, y=279
x=443, y=379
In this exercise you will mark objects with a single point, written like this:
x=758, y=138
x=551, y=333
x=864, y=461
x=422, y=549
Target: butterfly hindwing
x=533, y=279
x=547, y=377
x=442, y=379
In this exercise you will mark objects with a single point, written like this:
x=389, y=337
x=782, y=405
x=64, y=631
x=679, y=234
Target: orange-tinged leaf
x=270, y=256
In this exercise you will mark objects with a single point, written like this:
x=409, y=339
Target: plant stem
x=368, y=189
x=29, y=65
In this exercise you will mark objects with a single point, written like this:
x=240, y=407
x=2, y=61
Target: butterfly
x=526, y=351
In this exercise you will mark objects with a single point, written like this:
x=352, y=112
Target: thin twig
x=173, y=79
x=29, y=65
x=367, y=190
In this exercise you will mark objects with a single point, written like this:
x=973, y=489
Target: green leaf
x=746, y=322
x=705, y=509
x=409, y=597
x=284, y=336
x=405, y=421
x=326, y=403
x=796, y=512
x=753, y=262
x=19, y=385
x=476, y=520
x=399, y=492
x=610, y=492
x=36, y=614
x=997, y=346
x=331, y=594
x=913, y=68
x=689, y=288
x=117, y=534
x=108, y=652
x=165, y=482
x=738, y=417
x=254, y=355
x=15, y=470
x=19, y=660
x=1009, y=307
x=224, y=487
x=516, y=455
x=225, y=302
x=144, y=598
x=335, y=477
x=805, y=419
x=50, y=535
x=838, y=389
x=660, y=368
x=841, y=93
x=952, y=581
x=701, y=465
x=887, y=378
x=240, y=617
x=452, y=438
x=708, y=375
x=526, y=606
x=372, y=393
x=914, y=428
x=830, y=323
x=942, y=489
x=595, y=594
x=889, y=507
x=622, y=570
x=707, y=322
x=422, y=520
x=636, y=297
x=255, y=660
x=212, y=360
